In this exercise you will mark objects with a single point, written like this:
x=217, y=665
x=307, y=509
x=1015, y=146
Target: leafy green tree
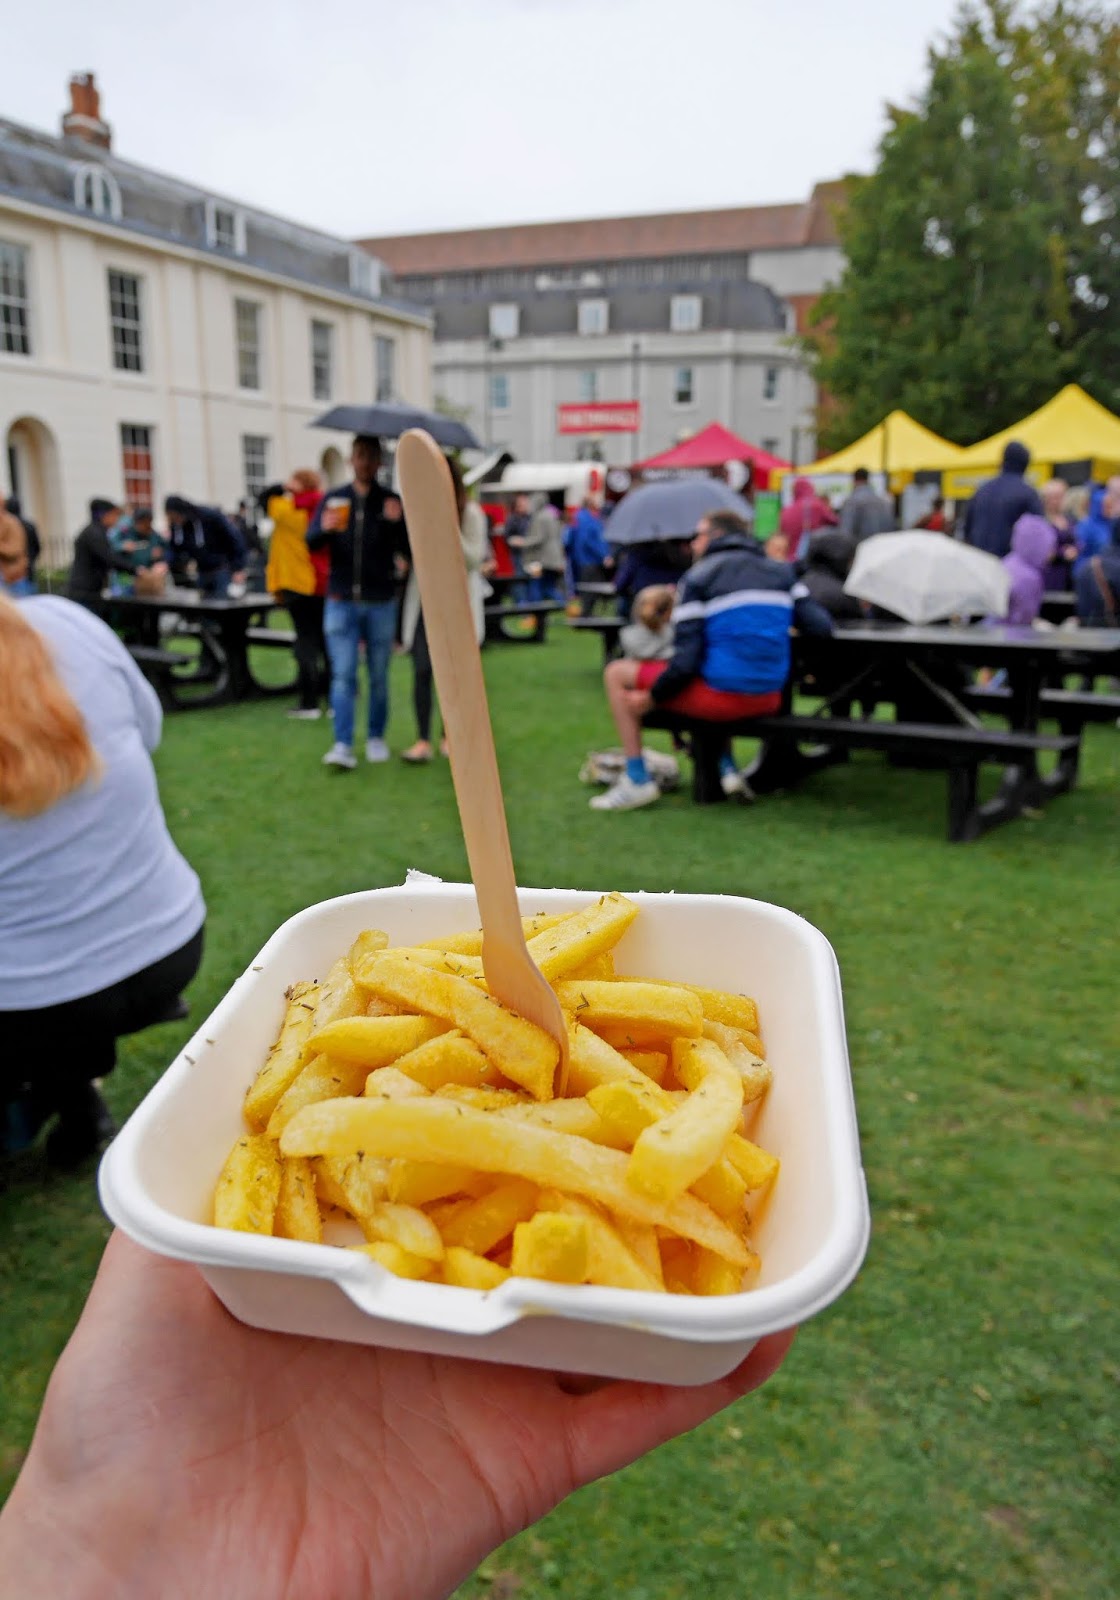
x=982, y=255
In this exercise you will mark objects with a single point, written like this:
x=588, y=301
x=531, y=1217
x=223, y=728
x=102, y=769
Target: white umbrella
x=926, y=577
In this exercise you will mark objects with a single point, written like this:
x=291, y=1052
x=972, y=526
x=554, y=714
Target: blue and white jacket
x=731, y=623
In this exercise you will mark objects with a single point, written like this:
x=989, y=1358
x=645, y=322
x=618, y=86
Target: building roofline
x=244, y=266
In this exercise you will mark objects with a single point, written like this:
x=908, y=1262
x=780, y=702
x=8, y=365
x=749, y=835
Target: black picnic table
x=221, y=669
x=925, y=673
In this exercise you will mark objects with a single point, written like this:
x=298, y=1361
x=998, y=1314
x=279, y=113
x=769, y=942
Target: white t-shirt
x=93, y=890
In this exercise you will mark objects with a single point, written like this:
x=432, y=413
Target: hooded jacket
x=1095, y=532
x=731, y=624
x=997, y=505
x=804, y=516
x=826, y=566
x=1033, y=542
x=584, y=541
x=206, y=537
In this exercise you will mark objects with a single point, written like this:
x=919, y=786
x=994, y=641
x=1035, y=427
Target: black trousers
x=422, y=681
x=48, y=1052
x=310, y=650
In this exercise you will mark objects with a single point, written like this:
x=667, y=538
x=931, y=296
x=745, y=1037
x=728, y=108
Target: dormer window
x=365, y=273
x=225, y=228
x=96, y=191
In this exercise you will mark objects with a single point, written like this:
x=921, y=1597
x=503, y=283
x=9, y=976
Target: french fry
x=297, y=1205
x=654, y=1064
x=466, y=1270
x=484, y=1223
x=338, y=996
x=285, y=1059
x=610, y=1261
x=441, y=1130
x=551, y=1245
x=418, y=1183
x=522, y=1051
x=712, y=1275
x=672, y=1154
x=367, y=943
x=357, y=1183
x=627, y=1109
x=248, y=1186
x=591, y=1061
x=392, y=1084
x=373, y=1041
x=485, y=1098
x=381, y=1008
x=756, y=1167
x=677, y=1266
x=645, y=1012
x=402, y=1263
x=405, y=1226
x=566, y=1116
x=751, y=1067
x=449, y=1058
x=718, y=1005
x=599, y=969
x=641, y=1240
x=582, y=936
x=322, y=1078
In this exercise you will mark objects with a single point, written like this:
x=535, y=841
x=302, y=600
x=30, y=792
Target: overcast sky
x=396, y=116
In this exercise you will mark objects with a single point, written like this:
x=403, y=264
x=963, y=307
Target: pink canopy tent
x=712, y=447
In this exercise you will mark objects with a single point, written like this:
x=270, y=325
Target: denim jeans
x=346, y=624
x=549, y=586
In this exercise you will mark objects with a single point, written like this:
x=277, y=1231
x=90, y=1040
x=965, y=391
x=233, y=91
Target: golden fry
x=248, y=1186
x=404, y=1226
x=392, y=1084
x=367, y=943
x=322, y=1078
x=591, y=1062
x=297, y=1206
x=402, y=1263
x=418, y=1183
x=449, y=1058
x=285, y=1059
x=338, y=997
x=551, y=1245
x=373, y=1041
x=644, y=1012
x=582, y=936
x=356, y=1183
x=485, y=1222
x=522, y=1051
x=466, y=1270
x=441, y=1130
x=610, y=1261
x=672, y=1154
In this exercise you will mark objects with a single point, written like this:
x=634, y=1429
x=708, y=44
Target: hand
x=159, y=568
x=391, y=510
x=237, y=577
x=181, y=1453
x=639, y=701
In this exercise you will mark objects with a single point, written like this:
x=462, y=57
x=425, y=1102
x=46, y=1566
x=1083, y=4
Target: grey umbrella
x=671, y=510
x=390, y=419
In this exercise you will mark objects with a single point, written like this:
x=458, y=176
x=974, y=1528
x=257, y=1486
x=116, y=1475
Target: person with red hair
x=101, y=918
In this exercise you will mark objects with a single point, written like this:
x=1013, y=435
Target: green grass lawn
x=949, y=1428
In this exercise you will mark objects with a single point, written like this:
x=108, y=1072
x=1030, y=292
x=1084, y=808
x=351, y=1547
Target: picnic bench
x=594, y=594
x=608, y=629
x=534, y=612
x=219, y=670
x=271, y=638
x=782, y=763
x=158, y=666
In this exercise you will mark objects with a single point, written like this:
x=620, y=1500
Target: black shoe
x=83, y=1129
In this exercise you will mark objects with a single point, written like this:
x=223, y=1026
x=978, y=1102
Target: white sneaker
x=731, y=782
x=340, y=755
x=305, y=714
x=626, y=795
x=377, y=750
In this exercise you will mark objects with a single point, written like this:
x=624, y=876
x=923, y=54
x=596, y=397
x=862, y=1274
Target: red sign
x=613, y=416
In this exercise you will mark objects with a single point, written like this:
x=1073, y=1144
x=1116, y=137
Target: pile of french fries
x=401, y=1095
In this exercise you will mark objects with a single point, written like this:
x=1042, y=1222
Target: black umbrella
x=389, y=420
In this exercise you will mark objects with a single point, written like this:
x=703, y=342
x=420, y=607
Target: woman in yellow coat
x=297, y=577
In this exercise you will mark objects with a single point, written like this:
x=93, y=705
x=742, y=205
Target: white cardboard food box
x=157, y=1178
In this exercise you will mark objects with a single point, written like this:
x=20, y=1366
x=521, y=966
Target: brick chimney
x=83, y=120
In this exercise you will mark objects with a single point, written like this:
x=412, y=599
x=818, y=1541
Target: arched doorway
x=33, y=476
x=332, y=466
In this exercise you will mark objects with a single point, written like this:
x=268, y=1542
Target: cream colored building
x=158, y=339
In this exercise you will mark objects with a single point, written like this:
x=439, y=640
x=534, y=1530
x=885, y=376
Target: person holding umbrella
x=363, y=530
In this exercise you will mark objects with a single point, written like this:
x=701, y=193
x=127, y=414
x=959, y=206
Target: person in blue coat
x=1094, y=532
x=997, y=505
x=589, y=554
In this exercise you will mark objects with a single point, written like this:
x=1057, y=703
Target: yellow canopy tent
x=1071, y=427
x=898, y=446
